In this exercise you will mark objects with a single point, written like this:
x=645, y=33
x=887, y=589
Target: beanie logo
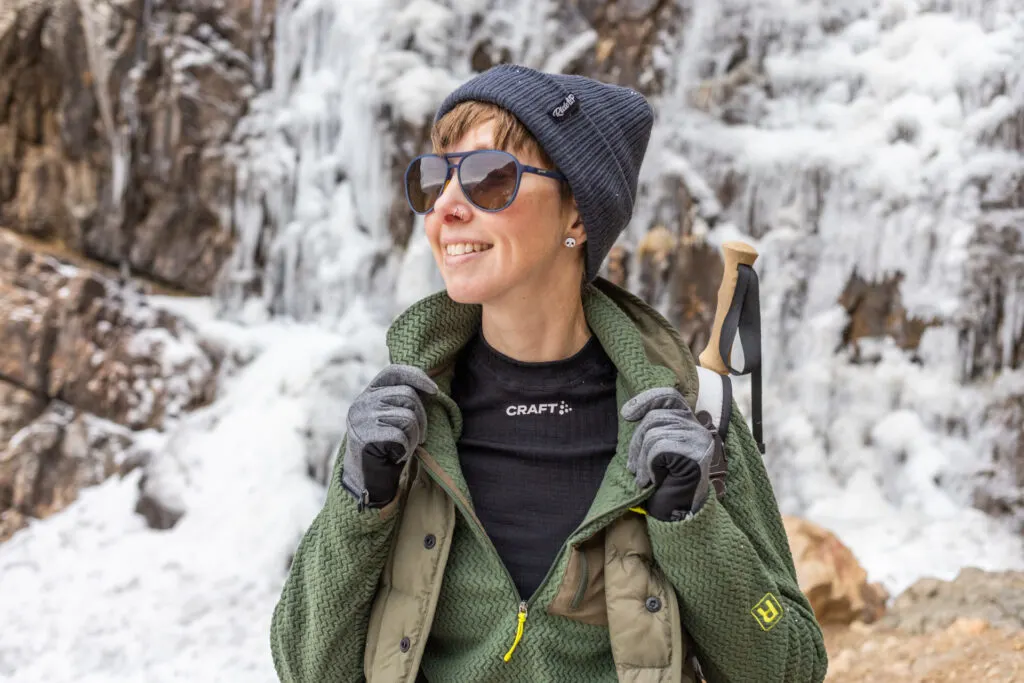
x=569, y=106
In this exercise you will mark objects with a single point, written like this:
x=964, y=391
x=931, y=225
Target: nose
x=452, y=206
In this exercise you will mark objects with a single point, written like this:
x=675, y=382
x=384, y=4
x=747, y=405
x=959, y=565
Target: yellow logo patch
x=768, y=612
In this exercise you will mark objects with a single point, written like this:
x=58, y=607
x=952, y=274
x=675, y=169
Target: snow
x=877, y=151
x=92, y=594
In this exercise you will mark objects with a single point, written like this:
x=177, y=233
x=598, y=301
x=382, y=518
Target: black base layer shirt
x=536, y=441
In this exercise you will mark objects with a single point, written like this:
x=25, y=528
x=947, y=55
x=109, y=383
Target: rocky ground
x=970, y=629
x=968, y=650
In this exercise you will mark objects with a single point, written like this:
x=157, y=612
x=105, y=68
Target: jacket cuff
x=690, y=527
x=350, y=505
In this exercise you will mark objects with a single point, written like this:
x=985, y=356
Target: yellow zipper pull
x=519, y=631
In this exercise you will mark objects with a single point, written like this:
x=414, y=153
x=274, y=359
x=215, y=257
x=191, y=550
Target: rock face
x=114, y=116
x=84, y=365
x=830, y=576
x=626, y=36
x=114, y=121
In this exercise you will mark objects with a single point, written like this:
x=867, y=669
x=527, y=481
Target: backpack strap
x=714, y=406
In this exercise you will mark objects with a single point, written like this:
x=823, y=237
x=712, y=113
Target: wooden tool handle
x=735, y=254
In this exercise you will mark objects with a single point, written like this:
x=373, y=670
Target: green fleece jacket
x=730, y=564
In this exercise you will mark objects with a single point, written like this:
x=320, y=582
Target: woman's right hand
x=385, y=425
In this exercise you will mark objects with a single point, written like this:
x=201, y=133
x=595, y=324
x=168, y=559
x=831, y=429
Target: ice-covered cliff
x=872, y=151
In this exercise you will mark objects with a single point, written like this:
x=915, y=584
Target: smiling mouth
x=465, y=248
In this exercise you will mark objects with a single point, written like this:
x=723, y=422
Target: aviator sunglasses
x=489, y=178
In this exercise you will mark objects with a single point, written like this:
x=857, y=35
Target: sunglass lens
x=489, y=179
x=424, y=182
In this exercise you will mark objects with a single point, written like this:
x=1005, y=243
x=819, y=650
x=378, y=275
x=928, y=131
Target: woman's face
x=486, y=256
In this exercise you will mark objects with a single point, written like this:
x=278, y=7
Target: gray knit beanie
x=595, y=133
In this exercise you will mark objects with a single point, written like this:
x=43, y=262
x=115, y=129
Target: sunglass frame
x=521, y=168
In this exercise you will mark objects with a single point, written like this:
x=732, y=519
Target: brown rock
x=996, y=598
x=47, y=462
x=694, y=285
x=627, y=33
x=716, y=92
x=84, y=363
x=109, y=125
x=657, y=246
x=680, y=275
x=39, y=203
x=969, y=626
x=78, y=336
x=18, y=408
x=830, y=576
x=617, y=265
x=126, y=365
x=11, y=521
x=655, y=256
x=968, y=650
x=27, y=327
x=876, y=310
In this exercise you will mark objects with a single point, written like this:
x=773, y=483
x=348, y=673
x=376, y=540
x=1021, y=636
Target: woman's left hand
x=670, y=449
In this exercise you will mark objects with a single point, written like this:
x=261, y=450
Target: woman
x=523, y=495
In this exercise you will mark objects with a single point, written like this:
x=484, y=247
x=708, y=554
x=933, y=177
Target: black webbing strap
x=744, y=317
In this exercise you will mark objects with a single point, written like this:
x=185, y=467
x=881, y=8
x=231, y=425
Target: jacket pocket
x=580, y=594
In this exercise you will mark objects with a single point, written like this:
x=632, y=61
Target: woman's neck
x=536, y=331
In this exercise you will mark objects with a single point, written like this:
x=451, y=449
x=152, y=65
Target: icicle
x=315, y=177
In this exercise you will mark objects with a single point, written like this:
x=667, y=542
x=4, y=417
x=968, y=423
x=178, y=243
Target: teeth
x=465, y=248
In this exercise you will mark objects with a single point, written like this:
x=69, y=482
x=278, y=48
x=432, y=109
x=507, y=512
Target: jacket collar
x=643, y=346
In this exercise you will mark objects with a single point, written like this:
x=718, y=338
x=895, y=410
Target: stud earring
x=570, y=242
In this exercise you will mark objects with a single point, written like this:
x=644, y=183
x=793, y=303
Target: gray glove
x=670, y=449
x=385, y=425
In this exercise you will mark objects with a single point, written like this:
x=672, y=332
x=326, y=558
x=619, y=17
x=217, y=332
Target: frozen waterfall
x=883, y=138
x=867, y=137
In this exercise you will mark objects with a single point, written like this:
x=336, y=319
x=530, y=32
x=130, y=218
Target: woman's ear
x=576, y=229
x=578, y=226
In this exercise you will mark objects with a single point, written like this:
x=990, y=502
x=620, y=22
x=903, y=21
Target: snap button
x=405, y=644
x=429, y=541
x=653, y=604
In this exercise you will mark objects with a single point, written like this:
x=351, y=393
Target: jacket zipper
x=524, y=605
x=521, y=625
